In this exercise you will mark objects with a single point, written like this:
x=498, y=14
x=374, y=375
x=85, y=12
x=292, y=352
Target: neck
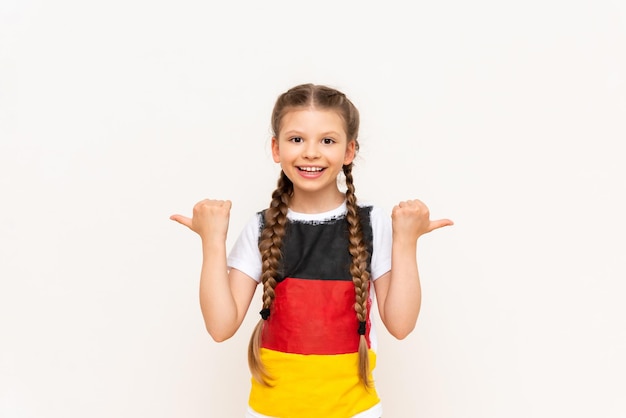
x=303, y=203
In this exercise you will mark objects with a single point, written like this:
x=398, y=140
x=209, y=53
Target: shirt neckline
x=333, y=213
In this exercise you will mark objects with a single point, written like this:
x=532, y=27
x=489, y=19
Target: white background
x=507, y=117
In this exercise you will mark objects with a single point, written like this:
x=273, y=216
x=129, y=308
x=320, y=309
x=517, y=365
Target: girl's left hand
x=411, y=219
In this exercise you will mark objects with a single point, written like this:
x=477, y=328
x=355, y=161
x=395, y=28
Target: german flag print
x=310, y=341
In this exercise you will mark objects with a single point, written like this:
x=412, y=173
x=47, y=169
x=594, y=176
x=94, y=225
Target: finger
x=414, y=204
x=440, y=223
x=183, y=220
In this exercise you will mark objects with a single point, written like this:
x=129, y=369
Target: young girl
x=320, y=257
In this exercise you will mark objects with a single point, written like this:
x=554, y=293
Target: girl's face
x=312, y=148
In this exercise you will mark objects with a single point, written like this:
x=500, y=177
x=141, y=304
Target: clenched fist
x=411, y=219
x=210, y=218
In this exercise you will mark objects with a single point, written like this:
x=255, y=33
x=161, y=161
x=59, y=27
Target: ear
x=350, y=153
x=275, y=153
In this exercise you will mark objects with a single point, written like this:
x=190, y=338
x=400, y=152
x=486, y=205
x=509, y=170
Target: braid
x=358, y=271
x=270, y=246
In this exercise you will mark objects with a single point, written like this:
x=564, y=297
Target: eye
x=296, y=139
x=328, y=141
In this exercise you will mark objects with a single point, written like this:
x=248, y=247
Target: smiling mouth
x=311, y=169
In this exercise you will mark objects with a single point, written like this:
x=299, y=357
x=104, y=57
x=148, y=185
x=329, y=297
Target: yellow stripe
x=312, y=386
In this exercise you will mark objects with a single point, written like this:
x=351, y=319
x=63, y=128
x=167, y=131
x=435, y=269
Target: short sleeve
x=381, y=245
x=245, y=255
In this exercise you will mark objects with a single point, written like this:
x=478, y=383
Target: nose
x=311, y=150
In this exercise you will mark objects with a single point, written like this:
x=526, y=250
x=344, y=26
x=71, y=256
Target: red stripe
x=313, y=317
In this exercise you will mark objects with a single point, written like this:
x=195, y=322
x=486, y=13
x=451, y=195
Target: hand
x=210, y=218
x=411, y=219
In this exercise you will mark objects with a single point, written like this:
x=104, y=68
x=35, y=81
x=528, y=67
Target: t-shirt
x=310, y=341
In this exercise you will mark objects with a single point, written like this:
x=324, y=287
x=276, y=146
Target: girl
x=318, y=255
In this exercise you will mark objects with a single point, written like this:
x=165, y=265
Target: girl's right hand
x=210, y=218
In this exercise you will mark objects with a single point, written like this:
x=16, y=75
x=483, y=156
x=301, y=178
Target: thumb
x=440, y=223
x=183, y=220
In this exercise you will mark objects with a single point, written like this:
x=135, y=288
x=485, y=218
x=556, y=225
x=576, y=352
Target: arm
x=224, y=295
x=398, y=292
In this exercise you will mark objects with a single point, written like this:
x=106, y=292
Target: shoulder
x=245, y=255
x=380, y=222
x=376, y=214
x=259, y=219
x=252, y=228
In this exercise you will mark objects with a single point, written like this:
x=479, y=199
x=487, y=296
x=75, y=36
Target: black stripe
x=319, y=250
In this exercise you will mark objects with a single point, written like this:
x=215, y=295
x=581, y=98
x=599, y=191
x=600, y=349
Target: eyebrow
x=324, y=134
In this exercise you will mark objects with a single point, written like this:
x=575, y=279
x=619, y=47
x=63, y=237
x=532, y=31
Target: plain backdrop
x=507, y=117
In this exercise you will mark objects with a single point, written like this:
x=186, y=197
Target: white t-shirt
x=246, y=257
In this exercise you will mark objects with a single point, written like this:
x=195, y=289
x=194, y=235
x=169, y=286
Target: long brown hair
x=270, y=243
